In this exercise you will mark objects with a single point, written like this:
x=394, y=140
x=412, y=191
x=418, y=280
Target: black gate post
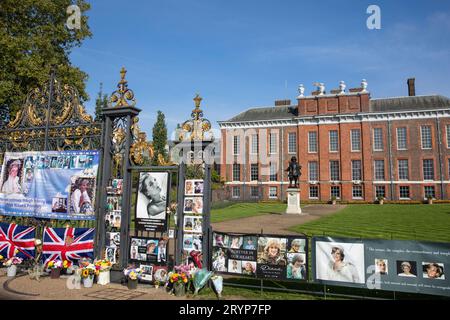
x=180, y=214
x=207, y=194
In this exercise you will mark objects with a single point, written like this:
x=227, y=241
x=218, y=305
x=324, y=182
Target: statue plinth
x=293, y=201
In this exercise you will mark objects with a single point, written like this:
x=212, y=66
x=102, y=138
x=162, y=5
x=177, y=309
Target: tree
x=33, y=37
x=159, y=138
x=100, y=103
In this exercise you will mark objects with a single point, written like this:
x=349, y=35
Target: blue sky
x=240, y=54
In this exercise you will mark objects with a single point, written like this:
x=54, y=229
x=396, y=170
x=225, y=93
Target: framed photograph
x=406, y=268
x=171, y=233
x=219, y=260
x=147, y=272
x=12, y=176
x=152, y=201
x=340, y=261
x=433, y=270
x=110, y=254
x=193, y=187
x=148, y=250
x=113, y=239
x=82, y=195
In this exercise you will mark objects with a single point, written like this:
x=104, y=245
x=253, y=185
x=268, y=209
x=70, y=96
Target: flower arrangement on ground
x=12, y=264
x=103, y=267
x=179, y=279
x=133, y=275
x=87, y=274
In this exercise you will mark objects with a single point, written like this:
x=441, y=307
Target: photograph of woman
x=296, y=268
x=236, y=242
x=249, y=268
x=381, y=266
x=433, y=270
x=189, y=188
x=297, y=246
x=406, y=269
x=219, y=240
x=81, y=202
x=272, y=252
x=219, y=261
x=340, y=261
x=197, y=206
x=340, y=270
x=12, y=182
x=234, y=266
x=152, y=196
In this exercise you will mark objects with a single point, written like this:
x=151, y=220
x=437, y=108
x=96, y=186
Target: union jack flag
x=69, y=244
x=14, y=237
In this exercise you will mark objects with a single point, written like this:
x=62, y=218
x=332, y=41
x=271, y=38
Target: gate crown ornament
x=196, y=128
x=123, y=97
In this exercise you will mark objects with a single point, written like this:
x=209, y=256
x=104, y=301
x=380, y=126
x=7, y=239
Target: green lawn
x=402, y=222
x=244, y=210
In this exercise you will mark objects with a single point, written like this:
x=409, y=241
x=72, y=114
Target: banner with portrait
x=393, y=265
x=49, y=184
x=152, y=201
x=276, y=257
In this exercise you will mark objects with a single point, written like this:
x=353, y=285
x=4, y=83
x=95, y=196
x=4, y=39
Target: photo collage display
x=150, y=254
x=113, y=217
x=192, y=218
x=267, y=257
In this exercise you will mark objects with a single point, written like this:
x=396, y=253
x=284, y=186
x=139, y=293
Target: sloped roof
x=414, y=103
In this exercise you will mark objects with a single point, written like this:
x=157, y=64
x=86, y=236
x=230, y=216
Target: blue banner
x=50, y=184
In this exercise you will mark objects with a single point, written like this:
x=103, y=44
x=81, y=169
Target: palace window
x=334, y=141
x=355, y=136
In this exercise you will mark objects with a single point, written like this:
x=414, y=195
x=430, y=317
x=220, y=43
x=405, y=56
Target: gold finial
x=197, y=100
x=123, y=72
x=122, y=96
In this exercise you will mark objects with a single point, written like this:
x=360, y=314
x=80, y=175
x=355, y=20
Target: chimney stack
x=411, y=87
x=279, y=103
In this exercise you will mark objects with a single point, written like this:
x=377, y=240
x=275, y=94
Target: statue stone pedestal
x=293, y=201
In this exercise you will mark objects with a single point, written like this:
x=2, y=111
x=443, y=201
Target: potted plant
x=133, y=275
x=103, y=267
x=55, y=267
x=380, y=200
x=430, y=199
x=333, y=200
x=88, y=273
x=11, y=265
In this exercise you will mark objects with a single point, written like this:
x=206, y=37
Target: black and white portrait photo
x=340, y=261
x=152, y=195
x=110, y=253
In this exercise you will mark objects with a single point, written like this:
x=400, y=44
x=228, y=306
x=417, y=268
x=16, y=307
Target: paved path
x=276, y=223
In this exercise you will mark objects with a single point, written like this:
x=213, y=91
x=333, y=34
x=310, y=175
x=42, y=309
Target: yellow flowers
x=51, y=264
x=1, y=257
x=85, y=273
x=65, y=264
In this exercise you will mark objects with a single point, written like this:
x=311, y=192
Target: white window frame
x=316, y=170
x=337, y=141
x=309, y=192
x=422, y=140
x=233, y=171
x=340, y=191
x=236, y=145
x=376, y=189
x=270, y=193
x=233, y=193
x=375, y=140
x=425, y=192
x=375, y=170
x=359, y=140
x=251, y=171
x=423, y=169
x=406, y=138
x=353, y=192
x=398, y=169
x=339, y=170
x=273, y=145
x=400, y=193
x=255, y=144
x=294, y=144
x=316, y=145
x=273, y=171
x=360, y=170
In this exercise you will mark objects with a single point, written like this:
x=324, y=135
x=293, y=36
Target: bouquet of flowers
x=133, y=273
x=13, y=261
x=181, y=275
x=103, y=265
x=84, y=262
x=89, y=271
x=58, y=264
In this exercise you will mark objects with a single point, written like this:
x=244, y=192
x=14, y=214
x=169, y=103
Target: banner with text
x=50, y=184
x=393, y=265
x=263, y=256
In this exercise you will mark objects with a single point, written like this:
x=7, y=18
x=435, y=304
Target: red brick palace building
x=350, y=146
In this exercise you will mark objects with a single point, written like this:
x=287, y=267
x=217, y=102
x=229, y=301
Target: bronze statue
x=294, y=172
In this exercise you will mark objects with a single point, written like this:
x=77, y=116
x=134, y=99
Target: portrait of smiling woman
x=12, y=182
